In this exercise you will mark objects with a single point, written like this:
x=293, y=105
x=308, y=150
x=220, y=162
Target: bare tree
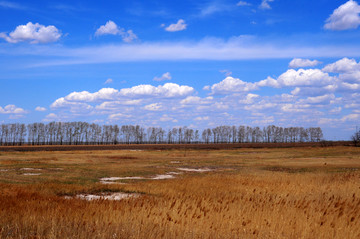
x=356, y=138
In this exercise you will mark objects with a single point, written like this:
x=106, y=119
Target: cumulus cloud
x=196, y=100
x=301, y=77
x=342, y=66
x=113, y=100
x=51, y=117
x=165, y=76
x=344, y=17
x=12, y=109
x=33, y=33
x=318, y=99
x=73, y=107
x=85, y=96
x=249, y=99
x=265, y=4
x=175, y=27
x=298, y=62
x=291, y=108
x=117, y=105
x=110, y=28
x=154, y=107
x=39, y=108
x=168, y=90
x=230, y=84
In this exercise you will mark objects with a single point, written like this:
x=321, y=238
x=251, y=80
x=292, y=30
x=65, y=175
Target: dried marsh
x=264, y=193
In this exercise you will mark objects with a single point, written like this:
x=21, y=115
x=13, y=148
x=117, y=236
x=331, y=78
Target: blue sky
x=174, y=63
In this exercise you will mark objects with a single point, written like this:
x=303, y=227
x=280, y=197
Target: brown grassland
x=309, y=192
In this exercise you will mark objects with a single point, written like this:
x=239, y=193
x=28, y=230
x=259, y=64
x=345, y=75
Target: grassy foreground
x=250, y=193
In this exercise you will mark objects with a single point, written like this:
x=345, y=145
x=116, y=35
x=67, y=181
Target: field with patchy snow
x=309, y=192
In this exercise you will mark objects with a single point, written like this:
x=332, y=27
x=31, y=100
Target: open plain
x=302, y=192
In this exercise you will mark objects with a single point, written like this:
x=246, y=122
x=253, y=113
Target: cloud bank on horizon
x=306, y=74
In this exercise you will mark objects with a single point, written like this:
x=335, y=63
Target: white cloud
x=165, y=76
x=196, y=100
x=290, y=108
x=236, y=48
x=243, y=3
x=230, y=84
x=74, y=107
x=110, y=28
x=117, y=105
x=351, y=117
x=342, y=66
x=12, y=109
x=154, y=107
x=226, y=72
x=191, y=100
x=165, y=118
x=349, y=86
x=202, y=118
x=129, y=36
x=118, y=116
x=220, y=106
x=85, y=96
x=168, y=90
x=39, y=108
x=33, y=33
x=207, y=87
x=6, y=4
x=344, y=17
x=179, y=26
x=113, y=101
x=51, y=117
x=319, y=99
x=259, y=106
x=213, y=7
x=335, y=110
x=301, y=77
x=298, y=62
x=265, y=4
x=109, y=81
x=249, y=99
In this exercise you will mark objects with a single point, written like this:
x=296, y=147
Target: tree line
x=83, y=133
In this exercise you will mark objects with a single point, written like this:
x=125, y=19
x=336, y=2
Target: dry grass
x=252, y=193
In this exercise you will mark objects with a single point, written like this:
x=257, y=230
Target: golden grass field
x=249, y=193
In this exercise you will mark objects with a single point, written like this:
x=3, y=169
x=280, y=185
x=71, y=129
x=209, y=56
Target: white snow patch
x=110, y=182
x=32, y=174
x=4, y=170
x=174, y=173
x=199, y=170
x=162, y=176
x=31, y=169
x=119, y=178
x=112, y=196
